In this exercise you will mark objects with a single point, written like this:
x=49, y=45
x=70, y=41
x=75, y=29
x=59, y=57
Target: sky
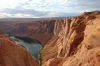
x=45, y=8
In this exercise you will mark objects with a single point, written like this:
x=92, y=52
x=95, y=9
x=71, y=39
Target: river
x=33, y=48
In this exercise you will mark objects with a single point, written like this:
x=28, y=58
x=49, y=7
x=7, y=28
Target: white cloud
x=19, y=15
x=62, y=5
x=45, y=8
x=45, y=5
x=3, y=15
x=56, y=1
x=10, y=3
x=23, y=15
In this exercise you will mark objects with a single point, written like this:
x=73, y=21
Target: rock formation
x=76, y=42
x=67, y=42
x=41, y=30
x=12, y=54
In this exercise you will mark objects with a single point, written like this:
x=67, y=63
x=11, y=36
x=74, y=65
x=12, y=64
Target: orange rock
x=14, y=55
x=68, y=42
x=41, y=30
x=76, y=42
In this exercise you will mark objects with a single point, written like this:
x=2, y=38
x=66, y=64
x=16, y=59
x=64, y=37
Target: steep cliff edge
x=76, y=42
x=69, y=42
x=12, y=54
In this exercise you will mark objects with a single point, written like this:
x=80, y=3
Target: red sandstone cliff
x=69, y=42
x=14, y=55
x=41, y=30
x=76, y=42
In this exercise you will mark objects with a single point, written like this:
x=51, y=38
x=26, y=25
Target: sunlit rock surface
x=76, y=42
x=67, y=42
x=12, y=54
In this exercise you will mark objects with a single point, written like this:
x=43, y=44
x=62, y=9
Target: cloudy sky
x=46, y=8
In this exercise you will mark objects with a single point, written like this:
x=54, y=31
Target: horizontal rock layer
x=41, y=30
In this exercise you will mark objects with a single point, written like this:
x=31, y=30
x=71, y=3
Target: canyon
x=71, y=41
x=34, y=28
x=12, y=54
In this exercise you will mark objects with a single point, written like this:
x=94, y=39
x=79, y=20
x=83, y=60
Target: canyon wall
x=12, y=54
x=41, y=30
x=67, y=42
x=76, y=42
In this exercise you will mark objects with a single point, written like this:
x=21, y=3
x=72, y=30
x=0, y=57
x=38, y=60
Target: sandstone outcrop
x=76, y=42
x=12, y=54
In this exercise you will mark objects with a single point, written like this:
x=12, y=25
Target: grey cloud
x=71, y=6
x=84, y=4
x=23, y=11
x=35, y=13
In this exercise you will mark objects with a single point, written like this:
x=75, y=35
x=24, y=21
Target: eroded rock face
x=76, y=42
x=14, y=55
x=69, y=42
x=41, y=30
